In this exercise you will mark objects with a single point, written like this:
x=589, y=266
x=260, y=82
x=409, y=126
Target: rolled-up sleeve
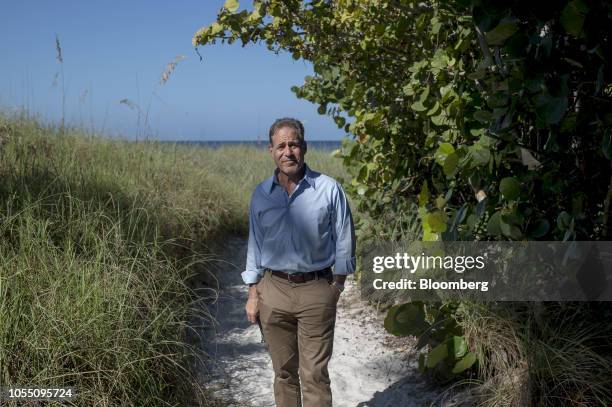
x=254, y=270
x=343, y=233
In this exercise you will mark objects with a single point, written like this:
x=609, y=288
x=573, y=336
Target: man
x=300, y=225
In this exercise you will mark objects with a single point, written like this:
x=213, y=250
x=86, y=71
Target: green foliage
x=470, y=97
x=406, y=319
x=437, y=329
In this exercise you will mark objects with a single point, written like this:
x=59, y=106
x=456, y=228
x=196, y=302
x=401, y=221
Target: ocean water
x=313, y=144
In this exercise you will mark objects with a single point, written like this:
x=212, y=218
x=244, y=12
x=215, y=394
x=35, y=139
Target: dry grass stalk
x=58, y=48
x=129, y=104
x=170, y=68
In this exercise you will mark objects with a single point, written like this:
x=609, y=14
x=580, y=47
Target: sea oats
x=58, y=48
x=170, y=68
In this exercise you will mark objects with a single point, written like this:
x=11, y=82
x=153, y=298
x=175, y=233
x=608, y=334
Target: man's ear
x=304, y=147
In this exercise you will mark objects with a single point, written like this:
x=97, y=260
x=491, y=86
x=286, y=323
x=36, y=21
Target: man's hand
x=252, y=304
x=337, y=291
x=338, y=280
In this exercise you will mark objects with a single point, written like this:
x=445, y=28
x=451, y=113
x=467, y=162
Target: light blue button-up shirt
x=310, y=230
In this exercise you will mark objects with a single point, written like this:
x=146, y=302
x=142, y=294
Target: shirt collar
x=308, y=177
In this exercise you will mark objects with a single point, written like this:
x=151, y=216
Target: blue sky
x=116, y=50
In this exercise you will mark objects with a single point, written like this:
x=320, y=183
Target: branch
x=483, y=46
x=606, y=215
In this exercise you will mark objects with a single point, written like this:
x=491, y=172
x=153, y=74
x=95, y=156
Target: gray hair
x=290, y=122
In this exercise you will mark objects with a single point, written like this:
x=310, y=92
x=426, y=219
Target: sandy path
x=363, y=370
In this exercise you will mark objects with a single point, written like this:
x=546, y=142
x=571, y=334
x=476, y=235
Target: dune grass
x=545, y=354
x=98, y=239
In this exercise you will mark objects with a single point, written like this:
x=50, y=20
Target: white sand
x=363, y=370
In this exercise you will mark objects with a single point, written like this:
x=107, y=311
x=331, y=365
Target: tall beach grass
x=544, y=354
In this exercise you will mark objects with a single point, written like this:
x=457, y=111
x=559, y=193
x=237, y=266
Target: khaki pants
x=298, y=324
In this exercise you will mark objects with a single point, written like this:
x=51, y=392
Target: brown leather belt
x=302, y=277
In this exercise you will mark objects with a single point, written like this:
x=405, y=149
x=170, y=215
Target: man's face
x=287, y=151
